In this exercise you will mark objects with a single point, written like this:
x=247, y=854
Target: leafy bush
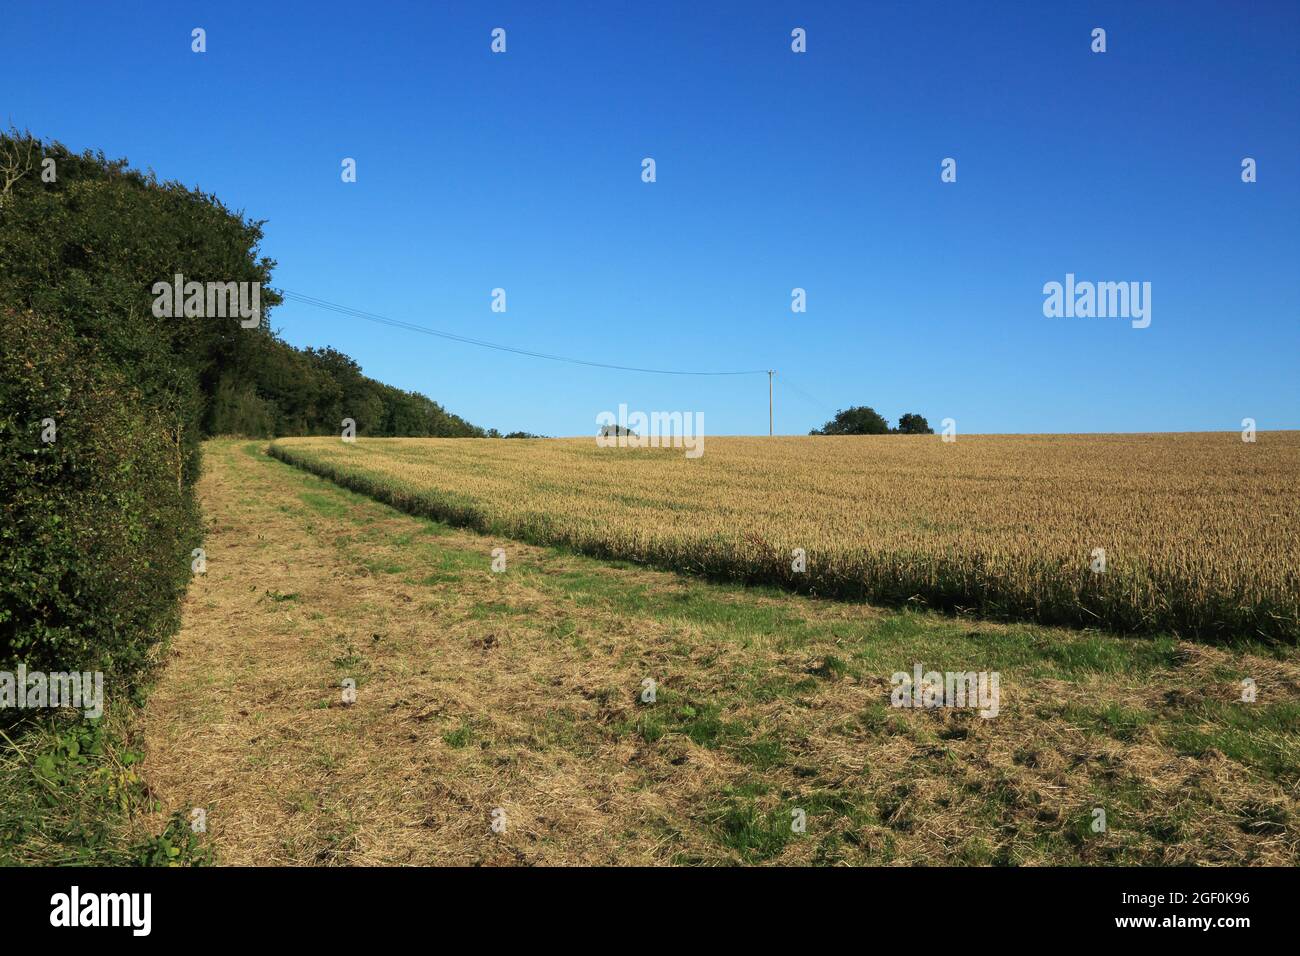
x=913, y=424
x=858, y=420
x=864, y=420
x=97, y=525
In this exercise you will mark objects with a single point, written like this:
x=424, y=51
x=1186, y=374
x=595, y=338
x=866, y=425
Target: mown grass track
x=521, y=691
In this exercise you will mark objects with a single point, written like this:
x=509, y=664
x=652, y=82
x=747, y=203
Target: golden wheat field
x=1200, y=532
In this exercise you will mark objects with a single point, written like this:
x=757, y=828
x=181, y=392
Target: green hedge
x=96, y=527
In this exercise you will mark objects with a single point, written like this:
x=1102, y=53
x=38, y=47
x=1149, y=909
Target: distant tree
x=912, y=424
x=858, y=420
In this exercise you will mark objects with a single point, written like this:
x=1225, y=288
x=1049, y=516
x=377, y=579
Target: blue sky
x=775, y=170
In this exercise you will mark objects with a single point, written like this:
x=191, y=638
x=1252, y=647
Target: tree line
x=865, y=420
x=103, y=403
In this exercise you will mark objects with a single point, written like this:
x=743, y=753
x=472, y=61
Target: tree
x=99, y=522
x=87, y=246
x=858, y=420
x=17, y=152
x=912, y=424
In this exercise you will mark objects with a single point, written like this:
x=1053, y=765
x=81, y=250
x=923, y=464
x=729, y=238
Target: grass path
x=520, y=692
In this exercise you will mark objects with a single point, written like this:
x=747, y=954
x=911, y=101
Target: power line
x=411, y=326
x=812, y=399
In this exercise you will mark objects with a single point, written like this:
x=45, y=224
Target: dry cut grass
x=522, y=692
x=1200, y=532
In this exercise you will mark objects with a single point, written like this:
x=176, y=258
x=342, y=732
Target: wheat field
x=1197, y=534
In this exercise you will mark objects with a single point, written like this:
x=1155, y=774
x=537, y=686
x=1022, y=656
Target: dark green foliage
x=287, y=391
x=858, y=420
x=177, y=845
x=912, y=424
x=864, y=420
x=97, y=526
x=89, y=247
x=71, y=795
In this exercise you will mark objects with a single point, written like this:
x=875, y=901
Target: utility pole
x=770, y=373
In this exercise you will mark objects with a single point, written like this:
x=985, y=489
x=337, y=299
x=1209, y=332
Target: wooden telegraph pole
x=770, y=373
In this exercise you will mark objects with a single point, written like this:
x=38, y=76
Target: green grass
x=1260, y=736
x=1112, y=720
x=754, y=834
x=460, y=737
x=328, y=505
x=70, y=795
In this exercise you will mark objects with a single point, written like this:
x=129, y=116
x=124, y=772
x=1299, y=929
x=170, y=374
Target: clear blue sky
x=775, y=170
